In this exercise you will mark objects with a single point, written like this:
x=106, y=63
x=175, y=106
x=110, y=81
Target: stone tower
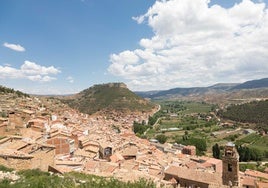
x=230, y=166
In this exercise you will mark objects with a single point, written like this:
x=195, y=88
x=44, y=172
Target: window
x=230, y=167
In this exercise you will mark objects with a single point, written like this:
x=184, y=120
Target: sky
x=65, y=46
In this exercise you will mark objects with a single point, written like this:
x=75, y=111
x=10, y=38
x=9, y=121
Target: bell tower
x=230, y=166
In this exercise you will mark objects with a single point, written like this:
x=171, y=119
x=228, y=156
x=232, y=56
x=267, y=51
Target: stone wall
x=16, y=163
x=62, y=145
x=40, y=158
x=43, y=158
x=185, y=182
x=3, y=128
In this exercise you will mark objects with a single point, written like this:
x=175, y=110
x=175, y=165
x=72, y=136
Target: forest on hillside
x=9, y=90
x=253, y=112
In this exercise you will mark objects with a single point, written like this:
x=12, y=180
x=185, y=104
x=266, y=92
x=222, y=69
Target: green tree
x=161, y=138
x=139, y=128
x=216, y=151
x=199, y=143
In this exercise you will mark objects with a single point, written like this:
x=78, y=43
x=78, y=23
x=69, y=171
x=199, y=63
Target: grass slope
x=114, y=96
x=38, y=179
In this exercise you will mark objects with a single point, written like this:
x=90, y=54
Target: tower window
x=230, y=167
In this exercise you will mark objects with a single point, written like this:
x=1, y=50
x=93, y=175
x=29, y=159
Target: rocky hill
x=111, y=96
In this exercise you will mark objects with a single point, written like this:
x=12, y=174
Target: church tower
x=230, y=166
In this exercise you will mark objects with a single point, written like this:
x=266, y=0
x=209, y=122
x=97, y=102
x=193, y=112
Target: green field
x=254, y=141
x=191, y=118
x=196, y=107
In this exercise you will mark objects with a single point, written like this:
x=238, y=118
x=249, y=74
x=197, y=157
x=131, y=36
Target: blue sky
x=65, y=46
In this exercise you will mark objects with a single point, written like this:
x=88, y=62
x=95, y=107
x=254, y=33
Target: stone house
x=18, y=153
x=63, y=145
x=105, y=151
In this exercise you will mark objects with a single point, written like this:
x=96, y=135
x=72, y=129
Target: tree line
x=245, y=153
x=253, y=112
x=9, y=90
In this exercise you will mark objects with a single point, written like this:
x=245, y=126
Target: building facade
x=230, y=166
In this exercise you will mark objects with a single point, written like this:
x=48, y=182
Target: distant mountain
x=220, y=90
x=112, y=96
x=183, y=92
x=262, y=83
x=224, y=86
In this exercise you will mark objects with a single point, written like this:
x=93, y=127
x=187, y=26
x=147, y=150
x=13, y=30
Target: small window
x=230, y=167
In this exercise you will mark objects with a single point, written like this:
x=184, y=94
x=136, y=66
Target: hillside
x=36, y=178
x=215, y=93
x=5, y=90
x=253, y=112
x=112, y=96
x=253, y=84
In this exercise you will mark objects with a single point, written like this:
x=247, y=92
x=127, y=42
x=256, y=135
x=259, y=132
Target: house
x=129, y=152
x=15, y=159
x=105, y=151
x=62, y=145
x=189, y=150
x=20, y=153
x=192, y=178
x=37, y=124
x=15, y=119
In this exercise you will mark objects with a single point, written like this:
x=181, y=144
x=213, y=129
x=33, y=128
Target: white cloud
x=33, y=68
x=29, y=70
x=195, y=44
x=70, y=79
x=40, y=78
x=15, y=47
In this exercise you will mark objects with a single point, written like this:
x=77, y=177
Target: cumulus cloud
x=195, y=44
x=29, y=70
x=33, y=68
x=15, y=47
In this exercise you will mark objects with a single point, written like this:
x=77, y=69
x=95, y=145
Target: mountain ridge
x=219, y=88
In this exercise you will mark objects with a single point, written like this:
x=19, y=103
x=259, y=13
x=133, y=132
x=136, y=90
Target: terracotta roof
x=91, y=165
x=154, y=172
x=248, y=181
x=130, y=151
x=93, y=149
x=110, y=169
x=116, y=157
x=194, y=175
x=262, y=184
x=28, y=111
x=254, y=173
x=214, y=161
x=205, y=165
x=191, y=165
x=80, y=152
x=68, y=163
x=37, y=121
x=14, y=154
x=16, y=144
